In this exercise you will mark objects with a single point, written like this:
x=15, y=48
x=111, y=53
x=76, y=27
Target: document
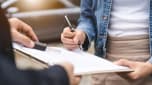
x=83, y=62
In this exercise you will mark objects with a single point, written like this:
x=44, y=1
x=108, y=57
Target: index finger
x=67, y=33
x=29, y=32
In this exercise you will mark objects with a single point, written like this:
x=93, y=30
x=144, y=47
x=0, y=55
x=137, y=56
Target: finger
x=67, y=29
x=76, y=80
x=28, y=31
x=70, y=44
x=67, y=33
x=66, y=40
x=124, y=62
x=23, y=27
x=71, y=47
x=24, y=40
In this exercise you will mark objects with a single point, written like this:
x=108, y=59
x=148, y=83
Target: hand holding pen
x=72, y=38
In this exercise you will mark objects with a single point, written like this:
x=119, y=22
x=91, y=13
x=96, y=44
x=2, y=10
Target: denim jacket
x=94, y=21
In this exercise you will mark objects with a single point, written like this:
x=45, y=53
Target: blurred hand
x=72, y=40
x=22, y=33
x=74, y=80
x=141, y=69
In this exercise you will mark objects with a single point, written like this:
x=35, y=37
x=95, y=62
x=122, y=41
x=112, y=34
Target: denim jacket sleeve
x=86, y=21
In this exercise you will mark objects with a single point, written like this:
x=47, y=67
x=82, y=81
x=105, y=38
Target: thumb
x=124, y=62
x=77, y=39
x=23, y=39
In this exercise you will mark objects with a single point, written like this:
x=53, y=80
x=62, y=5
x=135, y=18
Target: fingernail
x=32, y=44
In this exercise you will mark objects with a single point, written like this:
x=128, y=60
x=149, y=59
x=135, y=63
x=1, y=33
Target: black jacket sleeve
x=10, y=75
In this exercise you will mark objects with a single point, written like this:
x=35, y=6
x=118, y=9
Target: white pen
x=69, y=23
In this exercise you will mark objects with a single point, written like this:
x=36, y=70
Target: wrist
x=149, y=64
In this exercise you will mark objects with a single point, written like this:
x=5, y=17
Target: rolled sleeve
x=87, y=21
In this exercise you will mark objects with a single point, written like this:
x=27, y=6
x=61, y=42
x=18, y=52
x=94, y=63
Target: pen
x=72, y=29
x=69, y=23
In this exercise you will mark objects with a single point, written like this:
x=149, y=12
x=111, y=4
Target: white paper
x=84, y=63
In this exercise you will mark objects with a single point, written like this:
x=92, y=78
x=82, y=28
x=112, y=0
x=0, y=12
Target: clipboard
x=84, y=63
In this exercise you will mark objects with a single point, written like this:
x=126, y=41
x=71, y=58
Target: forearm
x=55, y=75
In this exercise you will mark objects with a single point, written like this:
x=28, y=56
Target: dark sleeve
x=57, y=75
x=10, y=75
x=86, y=44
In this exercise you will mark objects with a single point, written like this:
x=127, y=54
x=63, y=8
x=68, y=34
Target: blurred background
x=47, y=19
x=45, y=16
